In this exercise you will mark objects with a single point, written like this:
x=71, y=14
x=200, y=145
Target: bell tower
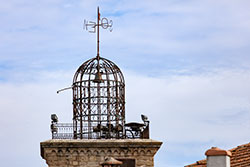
x=99, y=130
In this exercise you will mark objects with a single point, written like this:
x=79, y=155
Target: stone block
x=90, y=153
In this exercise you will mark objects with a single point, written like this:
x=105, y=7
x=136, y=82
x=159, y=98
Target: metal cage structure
x=98, y=100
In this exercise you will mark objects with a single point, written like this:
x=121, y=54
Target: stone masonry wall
x=90, y=153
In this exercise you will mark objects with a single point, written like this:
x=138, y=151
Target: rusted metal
x=98, y=94
x=66, y=131
x=101, y=22
x=99, y=100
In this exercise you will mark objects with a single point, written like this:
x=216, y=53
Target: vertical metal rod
x=98, y=20
x=108, y=99
x=117, y=106
x=89, y=102
x=81, y=111
x=108, y=102
x=99, y=104
x=98, y=69
x=74, y=88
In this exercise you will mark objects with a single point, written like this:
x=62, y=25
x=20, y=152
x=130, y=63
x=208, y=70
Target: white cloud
x=211, y=100
x=194, y=32
x=174, y=37
x=206, y=109
x=193, y=112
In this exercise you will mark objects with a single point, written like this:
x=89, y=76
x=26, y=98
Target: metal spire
x=98, y=31
x=101, y=22
x=91, y=27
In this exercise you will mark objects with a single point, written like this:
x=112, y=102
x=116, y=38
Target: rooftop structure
x=98, y=99
x=240, y=157
x=99, y=135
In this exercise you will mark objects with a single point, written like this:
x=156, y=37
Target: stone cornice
x=95, y=143
x=95, y=146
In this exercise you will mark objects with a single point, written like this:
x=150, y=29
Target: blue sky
x=186, y=65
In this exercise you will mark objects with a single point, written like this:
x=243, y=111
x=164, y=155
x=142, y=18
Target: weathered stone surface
x=90, y=153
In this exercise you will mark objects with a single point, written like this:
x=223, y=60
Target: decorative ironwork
x=101, y=22
x=132, y=130
x=98, y=100
x=104, y=23
x=98, y=94
x=62, y=131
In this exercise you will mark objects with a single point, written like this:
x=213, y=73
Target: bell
x=98, y=77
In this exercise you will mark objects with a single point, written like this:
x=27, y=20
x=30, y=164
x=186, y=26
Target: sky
x=186, y=65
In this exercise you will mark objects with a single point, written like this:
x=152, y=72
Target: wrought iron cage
x=98, y=100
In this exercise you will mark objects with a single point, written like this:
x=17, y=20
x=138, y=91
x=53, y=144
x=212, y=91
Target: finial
x=91, y=27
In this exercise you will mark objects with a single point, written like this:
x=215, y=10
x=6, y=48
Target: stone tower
x=99, y=130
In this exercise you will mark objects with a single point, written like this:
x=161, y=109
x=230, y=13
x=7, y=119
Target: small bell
x=98, y=77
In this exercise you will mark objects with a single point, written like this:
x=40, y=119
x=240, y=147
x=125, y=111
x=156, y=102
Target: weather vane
x=91, y=27
x=101, y=22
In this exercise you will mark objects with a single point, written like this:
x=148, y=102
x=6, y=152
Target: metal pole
x=98, y=19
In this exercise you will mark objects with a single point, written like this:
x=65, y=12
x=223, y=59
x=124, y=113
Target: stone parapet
x=91, y=153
